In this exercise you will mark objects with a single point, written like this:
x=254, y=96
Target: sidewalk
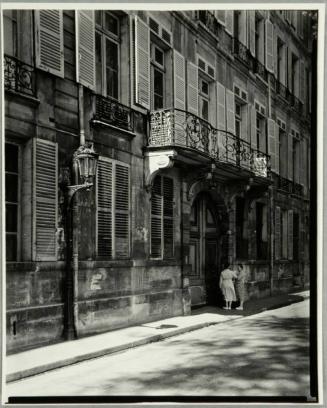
x=47, y=358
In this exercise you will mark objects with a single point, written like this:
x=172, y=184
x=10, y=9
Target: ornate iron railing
x=243, y=53
x=260, y=69
x=19, y=77
x=175, y=127
x=288, y=186
x=114, y=113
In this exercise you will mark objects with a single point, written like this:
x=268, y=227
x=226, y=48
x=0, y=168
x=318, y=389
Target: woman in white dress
x=226, y=285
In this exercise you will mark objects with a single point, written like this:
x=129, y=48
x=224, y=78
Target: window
x=162, y=218
x=294, y=72
x=296, y=236
x=296, y=160
x=113, y=205
x=10, y=32
x=204, y=99
x=261, y=231
x=241, y=232
x=107, y=54
x=12, y=201
x=259, y=37
x=261, y=132
x=238, y=119
x=282, y=153
x=158, y=77
x=283, y=235
x=280, y=61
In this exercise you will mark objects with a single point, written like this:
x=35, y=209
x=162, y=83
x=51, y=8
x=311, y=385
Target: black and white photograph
x=160, y=199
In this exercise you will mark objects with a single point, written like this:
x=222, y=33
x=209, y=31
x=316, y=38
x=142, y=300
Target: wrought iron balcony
x=260, y=69
x=114, y=113
x=19, y=77
x=285, y=93
x=178, y=128
x=243, y=53
x=287, y=185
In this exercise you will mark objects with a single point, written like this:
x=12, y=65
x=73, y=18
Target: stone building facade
x=202, y=123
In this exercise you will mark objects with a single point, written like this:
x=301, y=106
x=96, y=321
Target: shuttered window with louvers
x=229, y=22
x=251, y=16
x=277, y=233
x=269, y=46
x=104, y=209
x=192, y=88
x=85, y=46
x=290, y=235
x=230, y=111
x=45, y=199
x=49, y=41
x=113, y=209
x=168, y=214
x=162, y=218
x=272, y=144
x=156, y=218
x=142, y=63
x=121, y=211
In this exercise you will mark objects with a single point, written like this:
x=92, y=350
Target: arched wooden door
x=204, y=252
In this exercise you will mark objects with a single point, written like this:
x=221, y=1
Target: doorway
x=204, y=252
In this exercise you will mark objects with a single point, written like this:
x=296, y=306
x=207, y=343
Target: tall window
x=10, y=32
x=158, y=77
x=282, y=153
x=283, y=235
x=12, y=201
x=238, y=119
x=162, y=218
x=296, y=160
x=261, y=132
x=107, y=54
x=204, y=99
x=241, y=232
x=296, y=236
x=280, y=61
x=113, y=206
x=261, y=231
x=294, y=82
x=259, y=37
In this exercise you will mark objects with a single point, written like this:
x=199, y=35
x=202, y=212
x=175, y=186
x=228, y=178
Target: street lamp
x=85, y=162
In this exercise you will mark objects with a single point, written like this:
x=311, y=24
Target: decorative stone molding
x=154, y=161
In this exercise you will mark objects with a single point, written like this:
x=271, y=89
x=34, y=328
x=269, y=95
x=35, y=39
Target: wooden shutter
x=221, y=120
x=290, y=157
x=290, y=234
x=121, y=211
x=302, y=82
x=277, y=233
x=142, y=63
x=244, y=124
x=243, y=27
x=85, y=48
x=269, y=31
x=272, y=144
x=192, y=88
x=229, y=26
x=253, y=114
x=156, y=218
x=277, y=141
x=168, y=216
x=50, y=41
x=251, y=16
x=289, y=68
x=45, y=199
x=230, y=111
x=179, y=81
x=104, y=208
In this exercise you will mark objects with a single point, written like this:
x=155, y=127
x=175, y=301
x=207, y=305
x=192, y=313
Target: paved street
x=260, y=355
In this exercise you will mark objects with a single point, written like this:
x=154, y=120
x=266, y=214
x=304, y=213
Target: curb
x=151, y=339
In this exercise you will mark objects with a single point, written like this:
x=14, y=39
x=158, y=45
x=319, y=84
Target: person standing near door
x=226, y=285
x=241, y=286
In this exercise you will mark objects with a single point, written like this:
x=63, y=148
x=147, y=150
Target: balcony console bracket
x=155, y=161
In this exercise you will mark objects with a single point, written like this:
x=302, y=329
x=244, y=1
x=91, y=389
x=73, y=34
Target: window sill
x=97, y=122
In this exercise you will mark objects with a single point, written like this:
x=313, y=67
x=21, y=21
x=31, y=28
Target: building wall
x=113, y=293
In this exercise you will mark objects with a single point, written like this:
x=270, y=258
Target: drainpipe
x=272, y=237
x=75, y=209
